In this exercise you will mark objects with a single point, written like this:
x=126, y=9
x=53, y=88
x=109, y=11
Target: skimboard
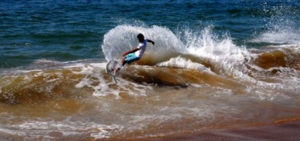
x=112, y=68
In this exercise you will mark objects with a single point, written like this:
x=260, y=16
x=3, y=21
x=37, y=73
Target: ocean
x=217, y=69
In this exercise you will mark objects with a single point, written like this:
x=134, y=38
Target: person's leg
x=129, y=58
x=123, y=61
x=132, y=60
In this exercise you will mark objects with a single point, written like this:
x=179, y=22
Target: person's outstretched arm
x=150, y=41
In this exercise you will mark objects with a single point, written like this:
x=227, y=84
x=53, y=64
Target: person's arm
x=130, y=51
x=150, y=41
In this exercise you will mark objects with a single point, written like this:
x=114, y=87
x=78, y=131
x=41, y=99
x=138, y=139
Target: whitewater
x=196, y=80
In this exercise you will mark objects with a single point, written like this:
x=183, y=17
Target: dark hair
x=140, y=37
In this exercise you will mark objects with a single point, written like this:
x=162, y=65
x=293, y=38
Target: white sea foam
x=205, y=44
x=94, y=79
x=183, y=63
x=228, y=58
x=279, y=37
x=123, y=38
x=280, y=30
x=31, y=130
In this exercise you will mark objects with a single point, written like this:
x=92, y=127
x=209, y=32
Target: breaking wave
x=187, y=76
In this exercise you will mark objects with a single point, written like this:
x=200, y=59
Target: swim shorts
x=131, y=57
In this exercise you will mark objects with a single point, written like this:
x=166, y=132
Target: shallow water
x=154, y=101
x=215, y=67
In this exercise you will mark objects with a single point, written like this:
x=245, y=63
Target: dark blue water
x=73, y=30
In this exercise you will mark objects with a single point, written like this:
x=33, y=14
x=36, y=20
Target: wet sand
x=278, y=132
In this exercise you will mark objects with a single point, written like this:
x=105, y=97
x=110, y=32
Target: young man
x=135, y=54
